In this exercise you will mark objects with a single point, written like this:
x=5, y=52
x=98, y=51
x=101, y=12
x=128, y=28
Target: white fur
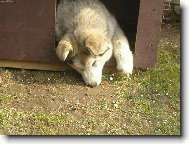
x=122, y=53
x=83, y=25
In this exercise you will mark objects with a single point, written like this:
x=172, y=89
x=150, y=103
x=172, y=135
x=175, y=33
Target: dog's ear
x=65, y=47
x=93, y=44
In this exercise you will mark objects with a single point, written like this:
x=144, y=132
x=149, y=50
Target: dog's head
x=87, y=57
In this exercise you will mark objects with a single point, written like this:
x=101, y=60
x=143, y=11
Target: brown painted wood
x=27, y=30
x=148, y=33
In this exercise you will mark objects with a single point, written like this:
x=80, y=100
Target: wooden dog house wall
x=27, y=37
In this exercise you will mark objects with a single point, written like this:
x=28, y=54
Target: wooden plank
x=34, y=65
x=27, y=30
x=148, y=33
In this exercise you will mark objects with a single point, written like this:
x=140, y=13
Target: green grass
x=7, y=98
x=55, y=103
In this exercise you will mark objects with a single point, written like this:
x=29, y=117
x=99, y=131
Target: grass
x=58, y=103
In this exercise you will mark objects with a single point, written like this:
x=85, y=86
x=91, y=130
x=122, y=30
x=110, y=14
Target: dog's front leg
x=65, y=47
x=122, y=52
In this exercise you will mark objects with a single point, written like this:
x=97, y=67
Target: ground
x=59, y=103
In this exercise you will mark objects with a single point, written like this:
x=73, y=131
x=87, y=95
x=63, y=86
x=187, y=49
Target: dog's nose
x=94, y=84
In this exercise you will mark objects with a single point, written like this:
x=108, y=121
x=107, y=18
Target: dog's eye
x=87, y=51
x=104, y=52
x=101, y=54
x=94, y=64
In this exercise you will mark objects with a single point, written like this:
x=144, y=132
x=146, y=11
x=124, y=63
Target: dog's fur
x=88, y=36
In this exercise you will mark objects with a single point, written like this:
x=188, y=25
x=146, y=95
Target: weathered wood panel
x=148, y=33
x=34, y=65
x=27, y=30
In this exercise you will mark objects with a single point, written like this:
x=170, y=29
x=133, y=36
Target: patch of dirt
x=50, y=90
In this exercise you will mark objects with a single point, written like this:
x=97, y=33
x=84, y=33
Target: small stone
x=115, y=105
x=111, y=78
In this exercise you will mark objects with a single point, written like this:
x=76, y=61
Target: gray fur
x=87, y=26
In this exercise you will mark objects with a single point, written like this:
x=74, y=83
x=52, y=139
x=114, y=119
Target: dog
x=88, y=36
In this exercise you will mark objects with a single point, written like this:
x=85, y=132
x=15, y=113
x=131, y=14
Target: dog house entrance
x=126, y=13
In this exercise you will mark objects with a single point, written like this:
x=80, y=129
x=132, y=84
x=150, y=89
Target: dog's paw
x=124, y=57
x=63, y=50
x=126, y=68
x=125, y=64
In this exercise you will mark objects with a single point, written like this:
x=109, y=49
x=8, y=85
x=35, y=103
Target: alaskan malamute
x=88, y=36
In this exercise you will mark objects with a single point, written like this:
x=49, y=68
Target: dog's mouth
x=92, y=85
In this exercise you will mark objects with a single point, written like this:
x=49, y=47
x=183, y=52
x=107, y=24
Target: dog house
x=27, y=38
